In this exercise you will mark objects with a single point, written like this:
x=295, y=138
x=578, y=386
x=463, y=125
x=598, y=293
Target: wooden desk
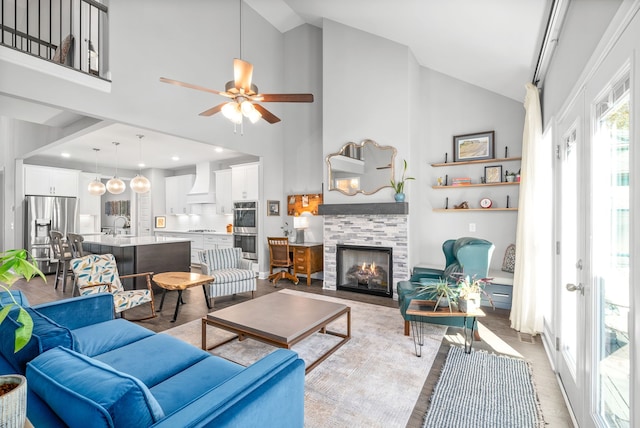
x=308, y=258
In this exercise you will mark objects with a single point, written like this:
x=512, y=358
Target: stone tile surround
x=367, y=230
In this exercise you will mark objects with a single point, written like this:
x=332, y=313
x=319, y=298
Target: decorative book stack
x=461, y=181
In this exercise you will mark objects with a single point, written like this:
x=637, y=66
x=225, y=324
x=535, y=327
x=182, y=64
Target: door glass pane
x=569, y=253
x=610, y=255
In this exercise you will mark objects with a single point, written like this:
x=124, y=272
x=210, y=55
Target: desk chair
x=279, y=258
x=62, y=256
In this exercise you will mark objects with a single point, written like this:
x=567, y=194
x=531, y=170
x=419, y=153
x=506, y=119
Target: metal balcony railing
x=67, y=32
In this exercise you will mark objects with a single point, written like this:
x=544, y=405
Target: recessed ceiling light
x=175, y=158
x=141, y=165
x=65, y=155
x=219, y=150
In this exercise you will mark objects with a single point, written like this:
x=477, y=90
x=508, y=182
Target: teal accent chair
x=470, y=256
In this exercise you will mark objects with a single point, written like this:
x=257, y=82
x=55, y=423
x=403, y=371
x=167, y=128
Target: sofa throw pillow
x=46, y=335
x=60, y=56
x=83, y=391
x=509, y=261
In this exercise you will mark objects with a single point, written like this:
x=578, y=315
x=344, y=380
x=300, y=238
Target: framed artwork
x=273, y=208
x=493, y=174
x=161, y=222
x=471, y=147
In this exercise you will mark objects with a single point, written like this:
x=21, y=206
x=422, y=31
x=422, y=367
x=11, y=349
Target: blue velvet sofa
x=468, y=255
x=86, y=368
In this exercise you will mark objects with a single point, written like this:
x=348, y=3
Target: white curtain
x=532, y=275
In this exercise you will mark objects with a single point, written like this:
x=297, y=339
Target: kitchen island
x=136, y=254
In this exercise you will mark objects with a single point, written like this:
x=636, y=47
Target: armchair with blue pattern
x=471, y=256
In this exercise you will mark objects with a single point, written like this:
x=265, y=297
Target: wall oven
x=245, y=217
x=248, y=242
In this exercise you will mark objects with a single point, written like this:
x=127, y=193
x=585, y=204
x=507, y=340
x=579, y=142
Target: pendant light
x=140, y=183
x=97, y=187
x=115, y=185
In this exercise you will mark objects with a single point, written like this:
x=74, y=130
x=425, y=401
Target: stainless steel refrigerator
x=42, y=215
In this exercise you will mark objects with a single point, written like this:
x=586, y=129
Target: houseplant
x=470, y=291
x=398, y=186
x=443, y=292
x=15, y=264
x=509, y=176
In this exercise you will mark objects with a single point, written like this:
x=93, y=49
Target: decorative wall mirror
x=361, y=168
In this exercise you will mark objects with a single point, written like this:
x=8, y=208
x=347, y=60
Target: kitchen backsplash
x=208, y=219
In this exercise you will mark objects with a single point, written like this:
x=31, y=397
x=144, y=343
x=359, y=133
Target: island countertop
x=131, y=241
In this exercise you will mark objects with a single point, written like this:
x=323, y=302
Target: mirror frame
x=361, y=146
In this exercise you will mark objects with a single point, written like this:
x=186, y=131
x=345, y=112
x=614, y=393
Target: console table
x=308, y=258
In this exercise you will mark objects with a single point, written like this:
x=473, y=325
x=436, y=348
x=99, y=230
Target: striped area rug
x=484, y=390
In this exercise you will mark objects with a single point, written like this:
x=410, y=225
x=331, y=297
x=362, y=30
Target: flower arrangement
x=471, y=289
x=15, y=264
x=285, y=229
x=398, y=186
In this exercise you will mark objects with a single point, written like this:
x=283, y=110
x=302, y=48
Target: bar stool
x=62, y=256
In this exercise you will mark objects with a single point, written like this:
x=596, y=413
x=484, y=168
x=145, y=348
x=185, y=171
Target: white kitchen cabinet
x=176, y=189
x=215, y=242
x=224, y=202
x=48, y=181
x=88, y=204
x=245, y=182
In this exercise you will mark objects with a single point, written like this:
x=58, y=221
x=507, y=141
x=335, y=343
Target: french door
x=593, y=252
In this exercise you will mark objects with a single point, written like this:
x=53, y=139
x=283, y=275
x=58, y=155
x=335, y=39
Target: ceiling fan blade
x=191, y=86
x=266, y=114
x=212, y=110
x=285, y=98
x=242, y=74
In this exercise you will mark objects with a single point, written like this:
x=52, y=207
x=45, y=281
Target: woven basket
x=13, y=405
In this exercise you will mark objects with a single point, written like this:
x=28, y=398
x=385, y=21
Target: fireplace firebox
x=365, y=269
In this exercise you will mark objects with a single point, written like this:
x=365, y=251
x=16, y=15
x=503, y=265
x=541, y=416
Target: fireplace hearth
x=365, y=269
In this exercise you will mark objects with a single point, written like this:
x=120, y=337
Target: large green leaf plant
x=16, y=264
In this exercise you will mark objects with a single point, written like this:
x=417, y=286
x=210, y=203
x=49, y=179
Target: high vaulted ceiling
x=493, y=44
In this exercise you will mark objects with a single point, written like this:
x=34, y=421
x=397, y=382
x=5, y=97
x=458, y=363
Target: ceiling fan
x=244, y=96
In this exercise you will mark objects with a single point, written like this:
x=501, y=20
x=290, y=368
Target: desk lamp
x=300, y=224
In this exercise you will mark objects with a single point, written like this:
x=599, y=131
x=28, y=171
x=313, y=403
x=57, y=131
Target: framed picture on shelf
x=161, y=222
x=493, y=174
x=273, y=208
x=472, y=147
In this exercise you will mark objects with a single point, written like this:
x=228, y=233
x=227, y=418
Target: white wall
x=366, y=96
x=575, y=47
x=451, y=107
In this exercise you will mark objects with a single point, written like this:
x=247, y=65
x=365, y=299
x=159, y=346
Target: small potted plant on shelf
x=398, y=186
x=443, y=292
x=15, y=264
x=470, y=291
x=509, y=176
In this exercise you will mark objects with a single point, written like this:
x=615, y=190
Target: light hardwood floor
x=496, y=335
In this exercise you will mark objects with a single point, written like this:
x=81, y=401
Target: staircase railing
x=68, y=32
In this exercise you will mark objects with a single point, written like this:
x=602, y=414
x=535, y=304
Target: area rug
x=484, y=390
x=373, y=380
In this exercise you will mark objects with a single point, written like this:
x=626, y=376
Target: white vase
x=13, y=405
x=470, y=304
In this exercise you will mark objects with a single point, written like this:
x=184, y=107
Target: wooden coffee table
x=424, y=308
x=281, y=320
x=180, y=281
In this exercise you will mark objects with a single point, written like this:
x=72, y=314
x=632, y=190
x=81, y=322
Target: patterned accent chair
x=98, y=273
x=232, y=274
x=471, y=256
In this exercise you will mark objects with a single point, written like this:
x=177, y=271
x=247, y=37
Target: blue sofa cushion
x=81, y=389
x=105, y=336
x=172, y=394
x=46, y=335
x=154, y=358
x=19, y=297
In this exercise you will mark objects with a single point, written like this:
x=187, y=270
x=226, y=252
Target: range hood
x=204, y=189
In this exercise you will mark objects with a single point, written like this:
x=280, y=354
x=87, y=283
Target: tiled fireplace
x=366, y=225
